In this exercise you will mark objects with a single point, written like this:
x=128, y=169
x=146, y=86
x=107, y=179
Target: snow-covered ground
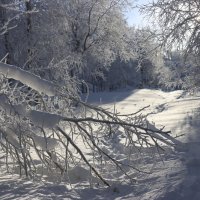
x=175, y=177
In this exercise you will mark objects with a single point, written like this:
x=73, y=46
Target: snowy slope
x=176, y=177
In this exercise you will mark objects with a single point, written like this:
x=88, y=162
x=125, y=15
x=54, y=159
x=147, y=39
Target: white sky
x=134, y=17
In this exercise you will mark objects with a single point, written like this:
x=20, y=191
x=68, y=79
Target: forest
x=89, y=102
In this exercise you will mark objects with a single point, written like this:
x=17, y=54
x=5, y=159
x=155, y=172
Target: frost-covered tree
x=6, y=23
x=90, y=35
x=168, y=71
x=122, y=74
x=179, y=22
x=139, y=71
x=41, y=128
x=146, y=54
x=178, y=29
x=97, y=33
x=47, y=127
x=15, y=31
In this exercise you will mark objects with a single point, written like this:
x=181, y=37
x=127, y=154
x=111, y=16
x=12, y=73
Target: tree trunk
x=28, y=29
x=5, y=37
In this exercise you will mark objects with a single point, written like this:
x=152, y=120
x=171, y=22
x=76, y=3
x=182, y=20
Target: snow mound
x=79, y=174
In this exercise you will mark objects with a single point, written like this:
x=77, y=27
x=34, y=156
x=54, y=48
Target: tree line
x=86, y=39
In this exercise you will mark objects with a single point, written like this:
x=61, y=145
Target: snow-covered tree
x=97, y=33
x=179, y=22
x=178, y=29
x=42, y=128
x=90, y=36
x=44, y=123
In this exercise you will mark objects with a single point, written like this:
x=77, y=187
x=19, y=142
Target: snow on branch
x=64, y=140
x=44, y=119
x=29, y=79
x=9, y=109
x=38, y=118
x=45, y=143
x=49, y=120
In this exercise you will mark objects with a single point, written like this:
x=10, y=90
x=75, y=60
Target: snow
x=45, y=143
x=12, y=110
x=78, y=174
x=38, y=118
x=175, y=177
x=31, y=80
x=11, y=137
x=43, y=119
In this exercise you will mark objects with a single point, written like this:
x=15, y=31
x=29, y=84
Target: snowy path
x=176, y=178
x=179, y=177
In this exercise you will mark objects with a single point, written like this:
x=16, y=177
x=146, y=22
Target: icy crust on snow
x=29, y=79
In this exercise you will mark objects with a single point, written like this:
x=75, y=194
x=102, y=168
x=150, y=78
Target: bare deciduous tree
x=179, y=21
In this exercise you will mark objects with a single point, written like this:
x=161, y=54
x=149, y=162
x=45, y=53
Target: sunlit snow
x=176, y=177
